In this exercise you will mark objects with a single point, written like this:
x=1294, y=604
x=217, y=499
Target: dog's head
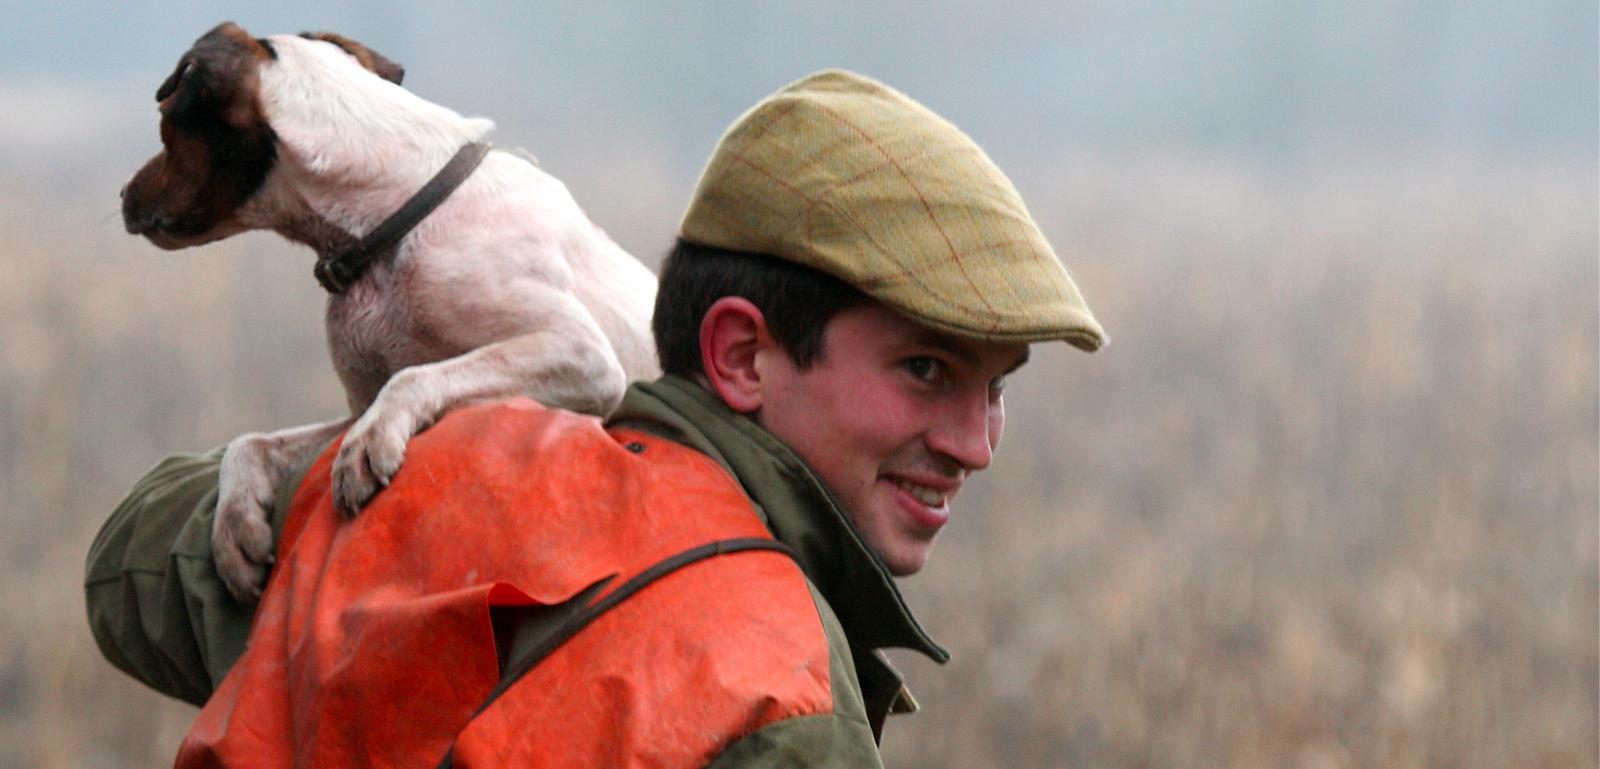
x=218, y=145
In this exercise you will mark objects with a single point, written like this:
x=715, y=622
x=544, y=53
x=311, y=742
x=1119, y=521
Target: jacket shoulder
x=694, y=663
x=510, y=505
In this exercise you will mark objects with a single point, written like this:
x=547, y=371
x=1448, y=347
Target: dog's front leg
x=567, y=363
x=254, y=467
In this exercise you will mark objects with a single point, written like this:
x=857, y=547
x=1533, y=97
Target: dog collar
x=337, y=270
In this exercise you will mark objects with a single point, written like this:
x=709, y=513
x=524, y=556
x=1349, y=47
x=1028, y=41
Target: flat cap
x=843, y=174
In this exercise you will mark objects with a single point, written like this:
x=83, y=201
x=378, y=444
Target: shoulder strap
x=581, y=619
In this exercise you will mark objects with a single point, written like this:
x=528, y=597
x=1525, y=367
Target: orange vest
x=372, y=645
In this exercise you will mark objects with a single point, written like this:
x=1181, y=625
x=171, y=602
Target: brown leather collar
x=337, y=270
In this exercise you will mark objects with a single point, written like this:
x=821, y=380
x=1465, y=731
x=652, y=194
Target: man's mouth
x=927, y=508
x=927, y=495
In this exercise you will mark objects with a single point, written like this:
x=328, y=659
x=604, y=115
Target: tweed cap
x=843, y=174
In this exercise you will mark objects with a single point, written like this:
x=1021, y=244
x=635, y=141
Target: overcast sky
x=1242, y=75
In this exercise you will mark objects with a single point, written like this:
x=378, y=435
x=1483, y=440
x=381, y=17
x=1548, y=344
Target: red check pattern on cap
x=843, y=174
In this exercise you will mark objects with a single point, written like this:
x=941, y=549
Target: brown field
x=1329, y=499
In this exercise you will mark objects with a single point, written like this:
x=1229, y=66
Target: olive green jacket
x=160, y=613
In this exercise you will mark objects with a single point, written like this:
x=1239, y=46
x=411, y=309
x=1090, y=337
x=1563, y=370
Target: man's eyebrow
x=948, y=345
x=962, y=351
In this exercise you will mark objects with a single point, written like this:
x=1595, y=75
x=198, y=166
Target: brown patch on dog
x=216, y=145
x=375, y=62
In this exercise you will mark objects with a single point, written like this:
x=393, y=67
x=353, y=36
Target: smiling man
x=892, y=417
x=853, y=282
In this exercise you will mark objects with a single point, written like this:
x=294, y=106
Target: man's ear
x=733, y=333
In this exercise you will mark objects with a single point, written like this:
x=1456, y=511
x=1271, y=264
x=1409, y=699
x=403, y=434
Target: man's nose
x=963, y=430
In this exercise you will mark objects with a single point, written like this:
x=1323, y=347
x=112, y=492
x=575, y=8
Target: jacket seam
x=830, y=713
x=149, y=572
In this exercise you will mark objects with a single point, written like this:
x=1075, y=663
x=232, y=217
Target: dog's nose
x=138, y=222
x=133, y=219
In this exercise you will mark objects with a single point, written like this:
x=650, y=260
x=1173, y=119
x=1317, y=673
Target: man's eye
x=923, y=368
x=997, y=387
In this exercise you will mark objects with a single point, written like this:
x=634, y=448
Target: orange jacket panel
x=372, y=645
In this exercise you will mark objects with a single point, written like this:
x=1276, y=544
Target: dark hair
x=797, y=301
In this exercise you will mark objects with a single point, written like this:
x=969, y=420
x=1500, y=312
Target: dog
x=505, y=288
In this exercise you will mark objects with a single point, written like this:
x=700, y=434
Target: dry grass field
x=1328, y=500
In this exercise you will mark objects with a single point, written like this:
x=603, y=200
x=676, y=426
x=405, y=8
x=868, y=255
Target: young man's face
x=893, y=417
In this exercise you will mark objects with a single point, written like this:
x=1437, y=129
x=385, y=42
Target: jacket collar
x=794, y=504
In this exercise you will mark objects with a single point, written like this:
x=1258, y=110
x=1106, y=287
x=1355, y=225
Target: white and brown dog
x=505, y=288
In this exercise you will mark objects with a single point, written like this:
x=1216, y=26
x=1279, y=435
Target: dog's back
x=492, y=262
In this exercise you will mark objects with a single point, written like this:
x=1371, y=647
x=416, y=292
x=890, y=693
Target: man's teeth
x=923, y=494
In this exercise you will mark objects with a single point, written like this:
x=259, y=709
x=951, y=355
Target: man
x=853, y=282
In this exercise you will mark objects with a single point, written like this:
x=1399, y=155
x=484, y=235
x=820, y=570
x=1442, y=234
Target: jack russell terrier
x=455, y=273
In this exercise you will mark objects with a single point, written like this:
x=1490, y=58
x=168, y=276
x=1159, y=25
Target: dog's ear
x=185, y=90
x=216, y=76
x=376, y=62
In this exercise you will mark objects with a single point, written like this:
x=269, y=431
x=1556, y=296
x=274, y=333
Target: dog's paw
x=241, y=537
x=370, y=455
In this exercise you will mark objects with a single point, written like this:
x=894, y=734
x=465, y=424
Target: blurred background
x=1328, y=500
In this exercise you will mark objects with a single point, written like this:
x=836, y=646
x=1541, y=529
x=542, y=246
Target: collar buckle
x=334, y=273
x=338, y=270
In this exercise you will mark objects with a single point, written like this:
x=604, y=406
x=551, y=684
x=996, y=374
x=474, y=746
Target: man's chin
x=907, y=566
x=906, y=558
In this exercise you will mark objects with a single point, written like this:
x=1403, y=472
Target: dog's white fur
x=506, y=288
